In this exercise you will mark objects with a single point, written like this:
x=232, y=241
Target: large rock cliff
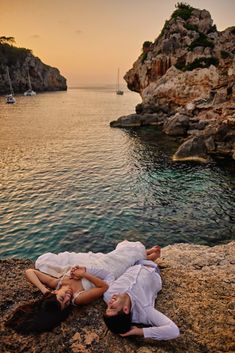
x=186, y=79
x=197, y=294
x=20, y=62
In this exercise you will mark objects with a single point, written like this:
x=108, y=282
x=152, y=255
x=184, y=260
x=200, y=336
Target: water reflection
x=184, y=202
x=70, y=182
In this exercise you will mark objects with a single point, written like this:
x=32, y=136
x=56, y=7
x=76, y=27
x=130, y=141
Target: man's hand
x=77, y=272
x=134, y=331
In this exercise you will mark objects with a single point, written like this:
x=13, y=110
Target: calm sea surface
x=70, y=182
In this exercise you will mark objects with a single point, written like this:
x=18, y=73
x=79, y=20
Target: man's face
x=115, y=304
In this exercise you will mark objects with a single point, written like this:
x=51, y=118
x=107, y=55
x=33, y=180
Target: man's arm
x=162, y=327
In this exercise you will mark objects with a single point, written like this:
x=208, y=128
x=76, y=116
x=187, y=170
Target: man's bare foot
x=154, y=253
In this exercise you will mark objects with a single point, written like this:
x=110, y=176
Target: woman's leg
x=117, y=261
x=125, y=255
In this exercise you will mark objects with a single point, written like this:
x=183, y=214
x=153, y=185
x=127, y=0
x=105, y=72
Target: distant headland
x=186, y=79
x=20, y=62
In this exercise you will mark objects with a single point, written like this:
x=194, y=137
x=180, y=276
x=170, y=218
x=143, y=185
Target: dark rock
x=132, y=120
x=222, y=130
x=176, y=125
x=193, y=149
x=169, y=46
x=147, y=108
x=200, y=125
x=210, y=144
x=135, y=120
x=139, y=108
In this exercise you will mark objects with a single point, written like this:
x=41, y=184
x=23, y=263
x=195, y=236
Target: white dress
x=115, y=262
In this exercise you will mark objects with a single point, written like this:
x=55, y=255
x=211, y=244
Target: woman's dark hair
x=120, y=323
x=40, y=316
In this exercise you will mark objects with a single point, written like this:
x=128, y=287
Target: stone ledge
x=198, y=287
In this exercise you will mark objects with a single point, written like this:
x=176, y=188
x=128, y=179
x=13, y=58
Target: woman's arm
x=39, y=280
x=88, y=296
x=101, y=273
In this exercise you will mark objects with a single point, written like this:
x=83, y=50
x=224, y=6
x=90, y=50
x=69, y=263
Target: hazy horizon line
x=87, y=85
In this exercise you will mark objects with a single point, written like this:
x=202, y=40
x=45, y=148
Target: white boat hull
x=119, y=92
x=30, y=92
x=10, y=99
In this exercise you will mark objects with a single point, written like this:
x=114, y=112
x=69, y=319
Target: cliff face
x=190, y=60
x=189, y=70
x=197, y=294
x=21, y=61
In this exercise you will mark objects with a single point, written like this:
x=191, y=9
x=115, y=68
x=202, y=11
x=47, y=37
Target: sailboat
x=29, y=92
x=10, y=99
x=118, y=91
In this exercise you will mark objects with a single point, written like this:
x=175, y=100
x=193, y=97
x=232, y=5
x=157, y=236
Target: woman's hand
x=77, y=272
x=45, y=291
x=94, y=293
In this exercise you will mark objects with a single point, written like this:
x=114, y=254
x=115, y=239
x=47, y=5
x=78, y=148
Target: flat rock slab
x=198, y=292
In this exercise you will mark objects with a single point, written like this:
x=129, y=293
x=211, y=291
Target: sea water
x=69, y=182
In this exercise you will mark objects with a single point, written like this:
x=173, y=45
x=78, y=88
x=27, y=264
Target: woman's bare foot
x=153, y=249
x=154, y=253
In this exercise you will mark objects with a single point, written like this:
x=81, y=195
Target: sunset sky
x=87, y=40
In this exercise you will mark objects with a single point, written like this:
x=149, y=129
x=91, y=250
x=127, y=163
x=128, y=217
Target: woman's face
x=64, y=296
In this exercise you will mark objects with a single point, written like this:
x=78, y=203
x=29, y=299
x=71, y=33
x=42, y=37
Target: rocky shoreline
x=198, y=294
x=186, y=79
x=21, y=62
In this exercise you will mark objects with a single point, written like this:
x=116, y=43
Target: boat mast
x=29, y=81
x=9, y=80
x=118, y=80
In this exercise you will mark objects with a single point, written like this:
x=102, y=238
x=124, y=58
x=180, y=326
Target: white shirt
x=142, y=284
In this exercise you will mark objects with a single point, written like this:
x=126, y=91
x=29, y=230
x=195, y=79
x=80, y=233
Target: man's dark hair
x=119, y=323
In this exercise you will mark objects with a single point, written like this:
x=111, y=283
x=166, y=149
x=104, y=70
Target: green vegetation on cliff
x=9, y=54
x=145, y=49
x=201, y=41
x=183, y=10
x=202, y=62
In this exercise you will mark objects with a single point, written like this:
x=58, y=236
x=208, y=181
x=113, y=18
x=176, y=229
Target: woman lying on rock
x=73, y=278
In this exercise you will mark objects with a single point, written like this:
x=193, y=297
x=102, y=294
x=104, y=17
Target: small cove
x=69, y=182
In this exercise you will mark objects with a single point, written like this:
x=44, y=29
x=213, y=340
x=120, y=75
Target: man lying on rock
x=73, y=278
x=130, y=299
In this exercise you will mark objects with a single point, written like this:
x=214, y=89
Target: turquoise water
x=70, y=182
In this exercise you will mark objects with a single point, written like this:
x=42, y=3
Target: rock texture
x=21, y=61
x=198, y=294
x=188, y=71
